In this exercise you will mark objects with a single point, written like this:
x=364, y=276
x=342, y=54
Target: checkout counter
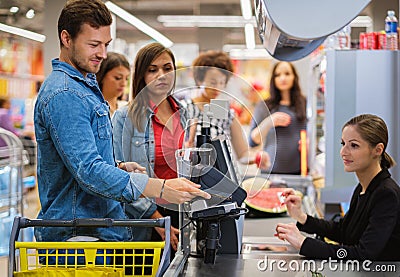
x=258, y=246
x=215, y=238
x=262, y=254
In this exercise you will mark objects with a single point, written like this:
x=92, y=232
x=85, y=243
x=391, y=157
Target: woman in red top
x=150, y=129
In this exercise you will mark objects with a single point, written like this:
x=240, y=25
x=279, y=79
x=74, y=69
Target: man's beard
x=81, y=65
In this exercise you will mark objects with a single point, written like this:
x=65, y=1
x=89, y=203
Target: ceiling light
x=140, y=25
x=221, y=21
x=245, y=54
x=30, y=13
x=14, y=9
x=22, y=32
x=246, y=9
x=249, y=35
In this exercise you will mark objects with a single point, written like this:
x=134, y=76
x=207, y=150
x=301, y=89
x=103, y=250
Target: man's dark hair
x=78, y=12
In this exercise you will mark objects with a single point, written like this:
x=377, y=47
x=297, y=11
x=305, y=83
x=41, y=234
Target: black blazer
x=369, y=231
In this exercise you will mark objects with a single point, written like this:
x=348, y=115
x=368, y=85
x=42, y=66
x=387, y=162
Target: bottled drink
x=391, y=31
x=343, y=38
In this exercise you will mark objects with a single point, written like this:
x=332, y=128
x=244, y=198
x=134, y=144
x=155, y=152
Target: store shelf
x=27, y=77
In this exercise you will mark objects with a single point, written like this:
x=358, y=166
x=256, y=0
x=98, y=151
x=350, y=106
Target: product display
x=391, y=31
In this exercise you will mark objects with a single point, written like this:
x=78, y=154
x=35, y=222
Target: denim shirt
x=77, y=176
x=132, y=145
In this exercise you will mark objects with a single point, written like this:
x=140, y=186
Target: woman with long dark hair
x=150, y=129
x=278, y=120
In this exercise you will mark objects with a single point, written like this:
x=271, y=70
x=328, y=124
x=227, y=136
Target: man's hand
x=180, y=190
x=176, y=191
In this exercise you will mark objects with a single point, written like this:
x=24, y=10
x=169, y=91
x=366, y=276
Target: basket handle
x=24, y=222
x=165, y=258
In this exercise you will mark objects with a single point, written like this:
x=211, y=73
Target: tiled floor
x=30, y=211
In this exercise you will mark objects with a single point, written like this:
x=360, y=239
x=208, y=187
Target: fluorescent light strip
x=220, y=21
x=249, y=35
x=246, y=9
x=204, y=24
x=241, y=54
x=140, y=25
x=22, y=32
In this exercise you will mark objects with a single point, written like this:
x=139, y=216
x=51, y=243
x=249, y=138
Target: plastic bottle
x=391, y=31
x=343, y=38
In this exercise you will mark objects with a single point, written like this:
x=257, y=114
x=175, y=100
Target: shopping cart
x=12, y=161
x=88, y=258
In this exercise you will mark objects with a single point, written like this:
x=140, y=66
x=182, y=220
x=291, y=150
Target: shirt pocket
x=103, y=122
x=139, y=149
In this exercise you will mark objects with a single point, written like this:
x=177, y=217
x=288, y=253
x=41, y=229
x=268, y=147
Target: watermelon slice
x=266, y=200
x=262, y=197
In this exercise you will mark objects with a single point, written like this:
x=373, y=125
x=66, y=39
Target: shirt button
x=137, y=142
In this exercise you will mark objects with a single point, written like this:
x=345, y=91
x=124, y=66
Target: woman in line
x=370, y=230
x=113, y=78
x=212, y=71
x=150, y=129
x=277, y=122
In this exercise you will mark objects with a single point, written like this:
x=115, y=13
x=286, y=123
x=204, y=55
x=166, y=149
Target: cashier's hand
x=291, y=234
x=180, y=190
x=132, y=167
x=293, y=205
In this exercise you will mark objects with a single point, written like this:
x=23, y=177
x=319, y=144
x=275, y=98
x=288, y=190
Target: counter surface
x=265, y=255
x=274, y=264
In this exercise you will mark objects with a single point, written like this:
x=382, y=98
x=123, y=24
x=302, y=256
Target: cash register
x=216, y=223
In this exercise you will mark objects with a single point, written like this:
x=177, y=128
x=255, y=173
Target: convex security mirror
x=292, y=29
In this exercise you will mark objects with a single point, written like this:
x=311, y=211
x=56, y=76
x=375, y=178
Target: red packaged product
x=375, y=40
x=362, y=41
x=382, y=40
x=371, y=44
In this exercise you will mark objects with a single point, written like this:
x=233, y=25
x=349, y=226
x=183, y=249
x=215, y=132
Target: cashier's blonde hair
x=373, y=130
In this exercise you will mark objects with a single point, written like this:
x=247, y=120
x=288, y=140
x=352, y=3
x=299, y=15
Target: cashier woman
x=370, y=230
